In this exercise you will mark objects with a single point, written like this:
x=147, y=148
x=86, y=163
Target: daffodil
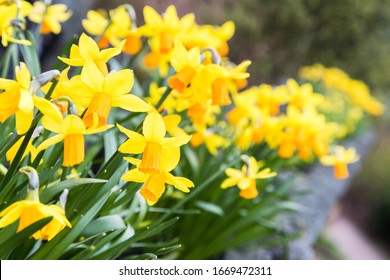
x=162, y=32
x=50, y=17
x=204, y=135
x=245, y=179
x=30, y=210
x=340, y=158
x=87, y=49
x=8, y=12
x=18, y=99
x=99, y=93
x=151, y=144
x=70, y=129
x=113, y=28
x=186, y=63
x=154, y=184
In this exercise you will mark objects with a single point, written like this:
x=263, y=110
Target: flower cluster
x=191, y=93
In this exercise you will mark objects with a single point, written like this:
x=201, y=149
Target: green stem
x=6, y=60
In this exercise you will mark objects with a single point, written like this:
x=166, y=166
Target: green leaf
x=104, y=224
x=20, y=237
x=146, y=256
x=164, y=251
x=210, y=207
x=49, y=193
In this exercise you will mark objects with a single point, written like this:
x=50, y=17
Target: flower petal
x=179, y=183
x=88, y=47
x=176, y=141
x=51, y=141
x=134, y=175
x=91, y=76
x=132, y=103
x=131, y=134
x=119, y=83
x=132, y=146
x=23, y=121
x=47, y=108
x=154, y=127
x=109, y=53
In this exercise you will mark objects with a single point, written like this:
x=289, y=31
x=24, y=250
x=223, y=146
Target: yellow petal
x=23, y=121
x=75, y=58
x=132, y=103
x=229, y=182
x=119, y=83
x=92, y=77
x=98, y=129
x=179, y=183
x=132, y=146
x=154, y=128
x=134, y=175
x=109, y=53
x=234, y=173
x=52, y=125
x=151, y=17
x=131, y=134
x=51, y=141
x=26, y=103
x=47, y=108
x=133, y=161
x=176, y=141
x=11, y=214
x=170, y=158
x=5, y=83
x=23, y=76
x=88, y=47
x=73, y=125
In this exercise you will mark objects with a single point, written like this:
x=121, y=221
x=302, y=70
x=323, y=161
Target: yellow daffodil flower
x=89, y=50
x=162, y=32
x=154, y=184
x=340, y=158
x=113, y=30
x=186, y=63
x=302, y=97
x=30, y=210
x=205, y=36
x=152, y=143
x=245, y=179
x=50, y=17
x=208, y=137
x=17, y=99
x=9, y=12
x=70, y=129
x=100, y=93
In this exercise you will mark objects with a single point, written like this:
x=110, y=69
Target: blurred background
x=281, y=36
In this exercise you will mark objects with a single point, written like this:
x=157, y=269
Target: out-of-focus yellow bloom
x=154, y=184
x=205, y=36
x=50, y=17
x=186, y=63
x=312, y=73
x=162, y=32
x=152, y=143
x=245, y=179
x=113, y=30
x=70, y=129
x=8, y=12
x=302, y=97
x=172, y=124
x=99, y=93
x=30, y=210
x=340, y=158
x=17, y=99
x=270, y=99
x=155, y=94
x=208, y=137
x=89, y=50
x=337, y=80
